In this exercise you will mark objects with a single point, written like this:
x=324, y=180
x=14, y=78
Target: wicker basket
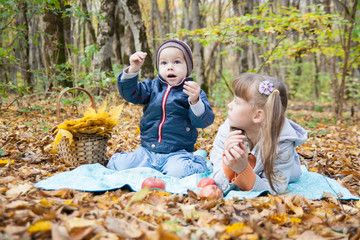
x=86, y=148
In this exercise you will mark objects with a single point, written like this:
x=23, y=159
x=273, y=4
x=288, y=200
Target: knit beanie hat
x=180, y=45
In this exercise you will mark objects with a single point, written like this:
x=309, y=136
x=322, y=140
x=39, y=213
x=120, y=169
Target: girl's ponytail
x=270, y=131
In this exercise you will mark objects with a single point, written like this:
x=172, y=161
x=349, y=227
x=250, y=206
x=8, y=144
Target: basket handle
x=64, y=91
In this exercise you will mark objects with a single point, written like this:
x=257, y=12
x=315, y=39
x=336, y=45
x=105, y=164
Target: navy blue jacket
x=168, y=124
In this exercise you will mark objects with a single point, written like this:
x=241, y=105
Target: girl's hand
x=136, y=61
x=236, y=153
x=234, y=139
x=193, y=90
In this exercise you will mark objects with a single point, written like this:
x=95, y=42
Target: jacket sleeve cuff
x=198, y=108
x=229, y=173
x=127, y=75
x=246, y=179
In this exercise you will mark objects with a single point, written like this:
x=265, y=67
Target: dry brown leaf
x=75, y=223
x=163, y=234
x=59, y=232
x=21, y=189
x=298, y=211
x=308, y=235
x=18, y=204
x=123, y=228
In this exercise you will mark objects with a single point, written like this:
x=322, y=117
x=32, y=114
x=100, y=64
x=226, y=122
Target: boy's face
x=172, y=65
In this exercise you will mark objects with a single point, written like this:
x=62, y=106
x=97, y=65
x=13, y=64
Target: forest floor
x=30, y=213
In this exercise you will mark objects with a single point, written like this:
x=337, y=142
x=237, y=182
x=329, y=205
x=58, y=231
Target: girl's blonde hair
x=246, y=86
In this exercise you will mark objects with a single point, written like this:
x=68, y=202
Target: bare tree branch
x=6, y=25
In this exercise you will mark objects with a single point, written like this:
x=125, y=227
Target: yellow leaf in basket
x=102, y=108
x=115, y=114
x=93, y=122
x=88, y=123
x=67, y=134
x=101, y=131
x=56, y=141
x=68, y=123
x=80, y=125
x=89, y=112
x=61, y=133
x=89, y=130
x=104, y=121
x=102, y=117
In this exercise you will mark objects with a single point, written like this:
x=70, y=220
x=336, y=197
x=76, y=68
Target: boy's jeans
x=177, y=164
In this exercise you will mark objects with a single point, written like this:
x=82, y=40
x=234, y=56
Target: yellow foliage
x=5, y=161
x=295, y=220
x=45, y=203
x=94, y=122
x=280, y=218
x=237, y=229
x=40, y=226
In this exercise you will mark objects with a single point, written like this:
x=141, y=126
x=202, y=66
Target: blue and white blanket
x=97, y=178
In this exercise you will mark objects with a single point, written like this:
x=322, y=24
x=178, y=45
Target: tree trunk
x=317, y=81
x=187, y=19
x=3, y=68
x=102, y=60
x=349, y=15
x=119, y=34
x=35, y=63
x=87, y=22
x=240, y=62
x=153, y=30
x=84, y=41
x=213, y=67
x=167, y=17
x=27, y=73
x=285, y=3
x=133, y=16
x=220, y=44
x=76, y=57
x=331, y=64
x=157, y=15
x=68, y=32
x=53, y=43
x=129, y=44
x=298, y=73
x=198, y=49
x=248, y=58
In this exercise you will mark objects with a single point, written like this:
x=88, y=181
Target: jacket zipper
x=163, y=110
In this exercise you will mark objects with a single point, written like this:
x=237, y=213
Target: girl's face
x=172, y=65
x=240, y=114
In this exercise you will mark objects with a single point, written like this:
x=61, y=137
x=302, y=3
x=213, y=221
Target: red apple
x=211, y=191
x=206, y=181
x=153, y=183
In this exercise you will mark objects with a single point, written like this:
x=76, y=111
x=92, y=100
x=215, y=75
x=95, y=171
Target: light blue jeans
x=177, y=164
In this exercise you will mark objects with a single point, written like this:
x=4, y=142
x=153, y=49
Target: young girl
x=255, y=147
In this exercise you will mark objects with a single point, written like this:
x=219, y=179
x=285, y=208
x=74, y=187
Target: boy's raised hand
x=136, y=61
x=193, y=90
